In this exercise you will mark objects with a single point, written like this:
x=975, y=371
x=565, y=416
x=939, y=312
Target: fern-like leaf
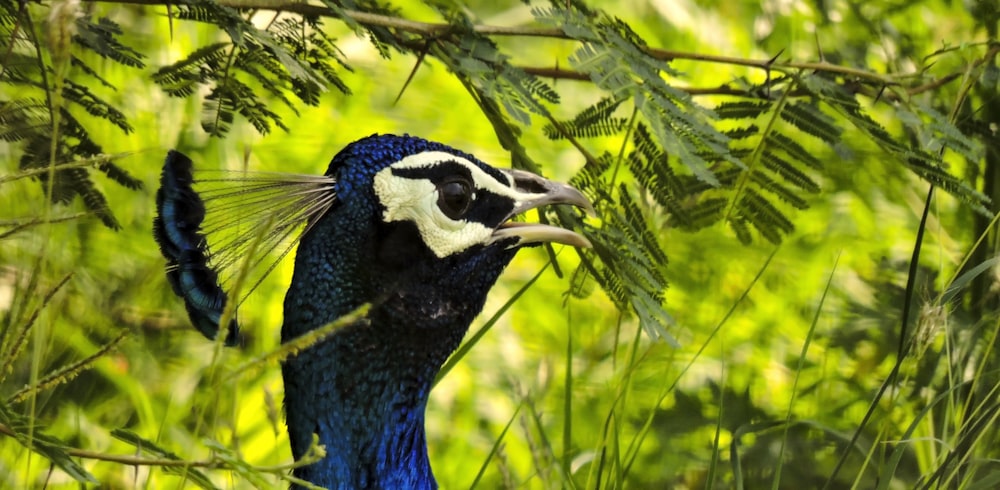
x=594, y=121
x=788, y=172
x=82, y=96
x=793, y=149
x=810, y=119
x=764, y=216
x=101, y=38
x=22, y=118
x=925, y=165
x=633, y=265
x=706, y=212
x=785, y=194
x=182, y=78
x=742, y=109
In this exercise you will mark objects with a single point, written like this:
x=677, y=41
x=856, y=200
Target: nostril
x=526, y=182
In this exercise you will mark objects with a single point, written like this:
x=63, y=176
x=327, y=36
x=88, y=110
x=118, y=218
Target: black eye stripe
x=488, y=208
x=436, y=173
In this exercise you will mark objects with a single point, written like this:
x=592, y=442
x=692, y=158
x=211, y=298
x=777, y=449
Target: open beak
x=538, y=192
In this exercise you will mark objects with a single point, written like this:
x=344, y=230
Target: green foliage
x=291, y=55
x=616, y=60
x=478, y=61
x=25, y=430
x=47, y=125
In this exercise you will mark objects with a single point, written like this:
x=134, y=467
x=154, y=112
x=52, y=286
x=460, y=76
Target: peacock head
x=432, y=218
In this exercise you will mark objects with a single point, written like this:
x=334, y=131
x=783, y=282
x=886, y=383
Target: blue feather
x=177, y=229
x=208, y=233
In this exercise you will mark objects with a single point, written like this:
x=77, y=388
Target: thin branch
x=431, y=29
x=557, y=73
x=17, y=226
x=91, y=162
x=366, y=18
x=124, y=458
x=128, y=459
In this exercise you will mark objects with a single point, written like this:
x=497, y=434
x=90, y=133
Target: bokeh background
x=777, y=350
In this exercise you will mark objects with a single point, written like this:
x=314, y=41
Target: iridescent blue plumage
x=417, y=230
x=177, y=228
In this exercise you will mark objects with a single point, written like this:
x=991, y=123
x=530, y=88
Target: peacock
x=417, y=230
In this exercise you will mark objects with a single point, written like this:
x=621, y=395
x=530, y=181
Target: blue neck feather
x=364, y=390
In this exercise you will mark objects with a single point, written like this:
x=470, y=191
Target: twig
x=123, y=458
x=366, y=18
x=432, y=29
x=128, y=459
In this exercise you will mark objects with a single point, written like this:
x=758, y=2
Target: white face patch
x=416, y=200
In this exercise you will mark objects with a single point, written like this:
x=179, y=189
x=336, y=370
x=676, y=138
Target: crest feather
x=211, y=225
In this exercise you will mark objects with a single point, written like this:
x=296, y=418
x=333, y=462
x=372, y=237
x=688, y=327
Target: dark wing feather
x=212, y=226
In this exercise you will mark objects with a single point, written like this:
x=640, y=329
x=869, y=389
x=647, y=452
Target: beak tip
x=544, y=192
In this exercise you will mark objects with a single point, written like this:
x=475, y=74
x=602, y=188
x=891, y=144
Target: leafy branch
x=749, y=161
x=435, y=30
x=48, y=126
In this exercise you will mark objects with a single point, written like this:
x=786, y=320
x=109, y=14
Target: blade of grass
x=597, y=470
x=567, y=415
x=713, y=464
x=26, y=431
x=988, y=482
x=647, y=425
x=146, y=446
x=494, y=449
x=889, y=468
x=974, y=431
x=550, y=454
x=613, y=422
x=775, y=485
x=901, y=350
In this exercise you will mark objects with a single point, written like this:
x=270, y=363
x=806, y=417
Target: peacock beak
x=538, y=192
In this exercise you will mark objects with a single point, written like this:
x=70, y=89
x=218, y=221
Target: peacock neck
x=368, y=415
x=364, y=390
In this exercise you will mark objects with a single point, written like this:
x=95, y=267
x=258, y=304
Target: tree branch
x=124, y=458
x=366, y=18
x=431, y=29
x=132, y=460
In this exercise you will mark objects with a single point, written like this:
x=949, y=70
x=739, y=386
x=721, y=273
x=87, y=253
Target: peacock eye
x=454, y=197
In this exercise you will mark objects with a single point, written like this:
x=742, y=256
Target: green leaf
x=742, y=109
x=102, y=38
x=808, y=118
